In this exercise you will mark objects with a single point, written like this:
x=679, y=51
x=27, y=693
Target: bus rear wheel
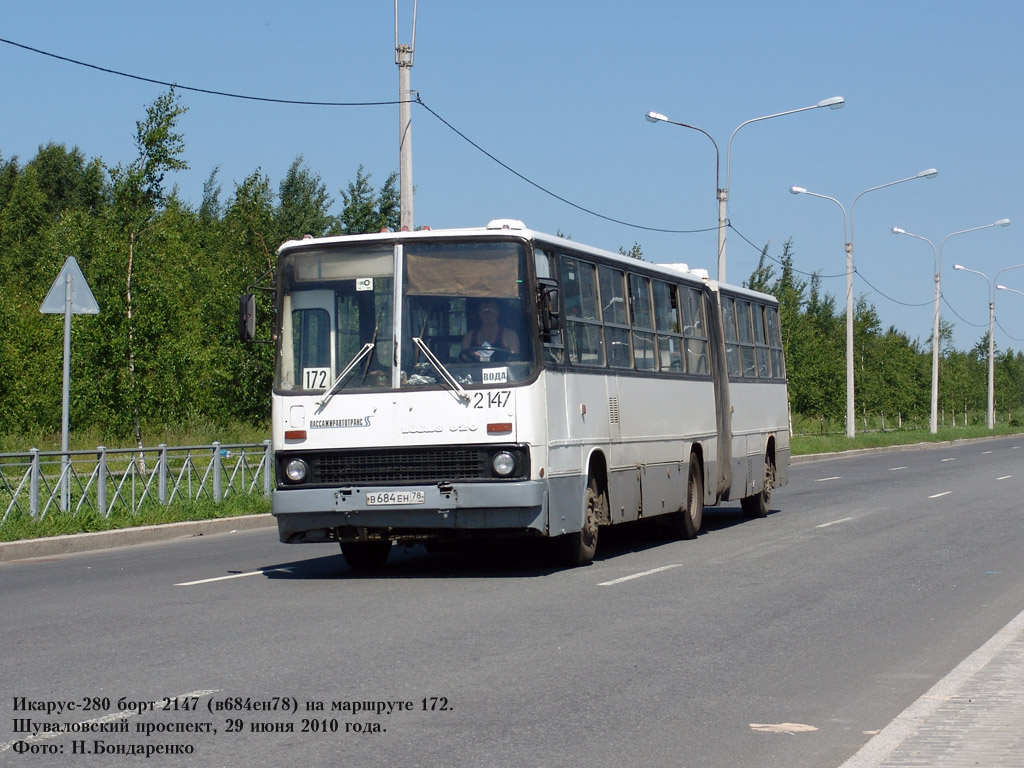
x=759, y=504
x=366, y=555
x=686, y=522
x=579, y=547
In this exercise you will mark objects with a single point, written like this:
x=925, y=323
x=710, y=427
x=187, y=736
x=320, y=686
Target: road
x=786, y=641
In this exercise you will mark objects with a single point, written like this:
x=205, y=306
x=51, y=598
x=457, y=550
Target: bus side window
x=670, y=332
x=775, y=343
x=743, y=326
x=693, y=330
x=732, y=350
x=584, y=343
x=761, y=342
x=616, y=322
x=643, y=323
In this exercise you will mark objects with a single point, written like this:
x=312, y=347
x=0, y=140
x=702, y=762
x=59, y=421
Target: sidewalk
x=972, y=717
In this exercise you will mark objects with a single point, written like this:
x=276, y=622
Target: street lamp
x=836, y=102
x=930, y=173
x=991, y=329
x=933, y=419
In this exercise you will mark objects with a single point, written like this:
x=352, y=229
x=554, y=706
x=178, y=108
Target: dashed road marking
x=835, y=522
x=233, y=576
x=638, y=575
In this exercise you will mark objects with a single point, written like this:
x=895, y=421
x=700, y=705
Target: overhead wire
x=418, y=100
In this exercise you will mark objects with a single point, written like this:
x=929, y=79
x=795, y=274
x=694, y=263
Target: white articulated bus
x=495, y=382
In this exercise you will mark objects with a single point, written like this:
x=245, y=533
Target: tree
x=67, y=181
x=366, y=210
x=137, y=193
x=304, y=204
x=760, y=278
x=634, y=253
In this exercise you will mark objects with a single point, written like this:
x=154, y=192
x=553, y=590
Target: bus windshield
x=464, y=317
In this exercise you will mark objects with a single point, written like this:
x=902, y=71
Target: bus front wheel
x=579, y=547
x=366, y=555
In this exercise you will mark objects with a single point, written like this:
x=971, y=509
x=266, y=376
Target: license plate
x=394, y=498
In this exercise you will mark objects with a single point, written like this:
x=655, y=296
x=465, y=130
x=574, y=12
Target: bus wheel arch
x=686, y=522
x=759, y=504
x=578, y=548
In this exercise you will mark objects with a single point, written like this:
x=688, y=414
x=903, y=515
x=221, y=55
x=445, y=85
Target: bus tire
x=366, y=555
x=579, y=547
x=685, y=523
x=759, y=504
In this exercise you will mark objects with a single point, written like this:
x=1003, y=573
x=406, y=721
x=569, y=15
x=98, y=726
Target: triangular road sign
x=82, y=300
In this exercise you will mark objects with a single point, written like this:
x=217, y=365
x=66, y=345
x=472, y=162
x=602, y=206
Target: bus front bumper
x=337, y=514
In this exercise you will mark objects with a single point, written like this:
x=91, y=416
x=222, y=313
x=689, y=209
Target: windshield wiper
x=367, y=348
x=446, y=375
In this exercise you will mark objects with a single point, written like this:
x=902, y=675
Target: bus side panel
x=578, y=422
x=759, y=411
x=660, y=421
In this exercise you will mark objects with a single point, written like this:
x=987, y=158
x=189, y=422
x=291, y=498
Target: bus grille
x=414, y=465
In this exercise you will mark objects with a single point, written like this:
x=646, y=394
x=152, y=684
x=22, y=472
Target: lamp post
x=836, y=102
x=933, y=419
x=1011, y=290
x=930, y=173
x=991, y=339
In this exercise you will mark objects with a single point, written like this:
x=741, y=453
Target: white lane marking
x=940, y=495
x=951, y=459
x=233, y=576
x=638, y=575
x=897, y=469
x=823, y=479
x=789, y=728
x=1004, y=477
x=152, y=706
x=835, y=522
x=872, y=754
x=985, y=453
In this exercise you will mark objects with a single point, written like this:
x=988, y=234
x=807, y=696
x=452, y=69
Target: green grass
x=801, y=445
x=186, y=434
x=22, y=526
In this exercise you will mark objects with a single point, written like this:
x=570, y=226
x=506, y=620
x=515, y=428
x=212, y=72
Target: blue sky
x=558, y=92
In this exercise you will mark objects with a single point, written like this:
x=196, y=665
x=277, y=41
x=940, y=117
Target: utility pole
x=403, y=58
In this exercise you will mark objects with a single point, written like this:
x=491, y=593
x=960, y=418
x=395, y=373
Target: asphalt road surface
x=786, y=641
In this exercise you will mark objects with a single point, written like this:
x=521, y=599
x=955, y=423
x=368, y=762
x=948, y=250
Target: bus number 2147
x=494, y=399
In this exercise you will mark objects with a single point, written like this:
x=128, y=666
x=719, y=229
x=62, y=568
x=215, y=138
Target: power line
x=475, y=145
x=299, y=102
x=547, y=191
x=194, y=89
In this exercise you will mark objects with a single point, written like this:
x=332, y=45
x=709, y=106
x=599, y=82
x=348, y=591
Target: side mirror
x=547, y=301
x=247, y=317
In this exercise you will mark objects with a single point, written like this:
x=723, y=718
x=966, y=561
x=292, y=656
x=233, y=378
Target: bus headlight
x=296, y=470
x=503, y=464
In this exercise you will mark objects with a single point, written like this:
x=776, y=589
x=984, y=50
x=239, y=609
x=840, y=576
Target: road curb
x=123, y=537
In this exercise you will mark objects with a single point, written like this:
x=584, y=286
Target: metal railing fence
x=37, y=483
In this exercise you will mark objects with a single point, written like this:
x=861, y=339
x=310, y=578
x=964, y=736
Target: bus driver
x=489, y=339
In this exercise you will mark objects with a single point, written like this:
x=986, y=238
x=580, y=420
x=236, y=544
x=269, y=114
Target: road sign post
x=69, y=295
